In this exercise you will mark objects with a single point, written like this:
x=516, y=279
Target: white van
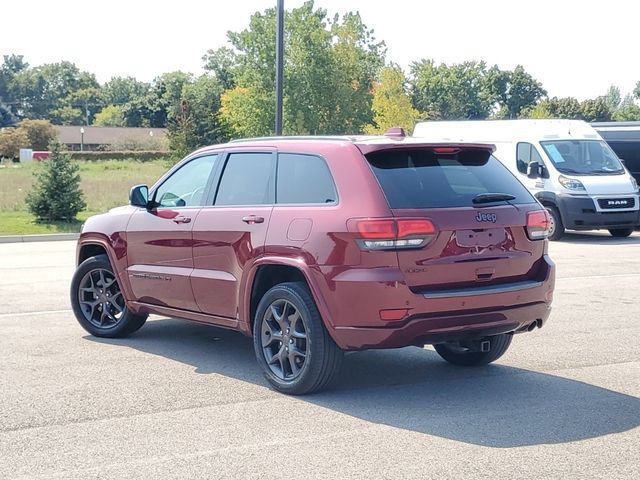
x=564, y=163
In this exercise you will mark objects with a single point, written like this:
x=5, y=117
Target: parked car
x=316, y=246
x=564, y=163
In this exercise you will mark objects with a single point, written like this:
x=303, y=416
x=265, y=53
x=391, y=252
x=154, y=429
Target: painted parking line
x=617, y=275
x=27, y=314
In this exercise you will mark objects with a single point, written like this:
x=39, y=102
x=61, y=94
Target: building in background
x=77, y=138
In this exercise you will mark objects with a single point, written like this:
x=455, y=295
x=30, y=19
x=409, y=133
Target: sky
x=575, y=48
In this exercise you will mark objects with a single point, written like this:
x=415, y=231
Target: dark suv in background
x=315, y=246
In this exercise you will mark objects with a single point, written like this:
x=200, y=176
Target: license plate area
x=482, y=238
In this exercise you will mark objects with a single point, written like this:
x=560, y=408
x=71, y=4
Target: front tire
x=620, y=232
x=98, y=302
x=556, y=229
x=293, y=348
x=457, y=354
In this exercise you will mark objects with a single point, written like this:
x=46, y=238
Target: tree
x=222, y=64
x=67, y=116
x=357, y=60
x=456, y=92
x=7, y=119
x=246, y=112
x=567, y=107
x=540, y=111
x=121, y=90
x=612, y=98
x=391, y=104
x=88, y=100
x=109, y=116
x=12, y=65
x=636, y=91
x=56, y=194
x=595, y=110
x=39, y=132
x=152, y=109
x=331, y=66
x=523, y=92
x=46, y=89
x=195, y=121
x=627, y=111
x=11, y=141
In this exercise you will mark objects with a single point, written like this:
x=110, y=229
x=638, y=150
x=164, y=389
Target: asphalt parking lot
x=181, y=400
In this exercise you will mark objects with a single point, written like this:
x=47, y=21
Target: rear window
x=420, y=178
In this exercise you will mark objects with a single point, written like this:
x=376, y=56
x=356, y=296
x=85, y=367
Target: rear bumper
x=581, y=213
x=429, y=330
x=447, y=316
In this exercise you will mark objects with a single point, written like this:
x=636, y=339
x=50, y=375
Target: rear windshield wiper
x=493, y=197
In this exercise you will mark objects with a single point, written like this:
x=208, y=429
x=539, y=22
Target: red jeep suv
x=319, y=245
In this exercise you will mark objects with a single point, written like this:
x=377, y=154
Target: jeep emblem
x=486, y=217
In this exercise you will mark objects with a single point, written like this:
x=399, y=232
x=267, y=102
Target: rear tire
x=556, y=229
x=620, y=232
x=98, y=302
x=458, y=355
x=293, y=348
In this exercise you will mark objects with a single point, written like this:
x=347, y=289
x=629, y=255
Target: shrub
x=141, y=156
x=56, y=194
x=11, y=141
x=40, y=133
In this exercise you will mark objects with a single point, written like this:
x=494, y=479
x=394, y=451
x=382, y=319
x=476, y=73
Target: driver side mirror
x=139, y=196
x=534, y=170
x=537, y=170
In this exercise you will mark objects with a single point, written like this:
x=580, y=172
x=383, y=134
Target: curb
x=49, y=237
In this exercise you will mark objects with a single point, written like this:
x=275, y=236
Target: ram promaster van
x=566, y=164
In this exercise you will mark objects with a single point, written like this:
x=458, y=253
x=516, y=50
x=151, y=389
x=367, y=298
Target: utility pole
x=279, y=64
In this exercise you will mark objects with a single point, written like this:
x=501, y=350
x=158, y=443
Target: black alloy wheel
x=98, y=302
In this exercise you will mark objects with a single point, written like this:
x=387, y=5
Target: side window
x=523, y=157
x=304, y=179
x=247, y=180
x=186, y=186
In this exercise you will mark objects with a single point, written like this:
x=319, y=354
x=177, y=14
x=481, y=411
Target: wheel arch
x=90, y=249
x=547, y=199
x=270, y=271
x=114, y=248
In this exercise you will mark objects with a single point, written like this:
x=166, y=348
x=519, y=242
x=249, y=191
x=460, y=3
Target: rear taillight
x=538, y=224
x=389, y=234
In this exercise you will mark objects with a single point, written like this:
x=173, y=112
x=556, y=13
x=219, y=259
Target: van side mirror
x=139, y=196
x=534, y=170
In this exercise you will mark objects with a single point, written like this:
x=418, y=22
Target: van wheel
x=620, y=232
x=458, y=354
x=291, y=344
x=98, y=303
x=556, y=227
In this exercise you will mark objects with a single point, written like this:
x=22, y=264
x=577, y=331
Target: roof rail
x=337, y=138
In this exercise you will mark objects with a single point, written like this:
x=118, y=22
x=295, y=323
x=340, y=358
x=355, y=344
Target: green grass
x=105, y=184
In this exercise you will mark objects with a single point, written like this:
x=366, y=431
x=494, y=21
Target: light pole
x=81, y=139
x=279, y=63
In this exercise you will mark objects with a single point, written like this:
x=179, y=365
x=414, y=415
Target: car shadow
x=412, y=389
x=599, y=238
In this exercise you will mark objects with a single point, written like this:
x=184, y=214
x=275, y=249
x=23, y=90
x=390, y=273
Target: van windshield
x=583, y=157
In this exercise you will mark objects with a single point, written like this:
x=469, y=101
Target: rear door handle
x=182, y=220
x=252, y=219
